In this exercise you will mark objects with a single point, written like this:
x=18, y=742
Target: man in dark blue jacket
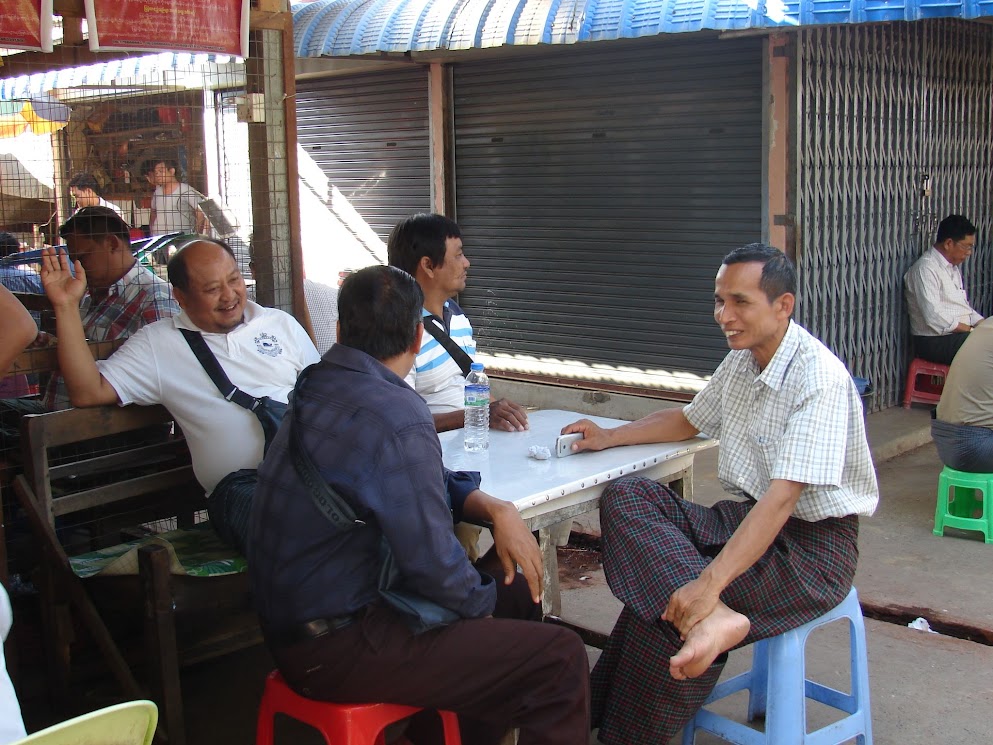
x=373, y=439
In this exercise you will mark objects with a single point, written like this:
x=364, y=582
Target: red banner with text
x=26, y=24
x=214, y=26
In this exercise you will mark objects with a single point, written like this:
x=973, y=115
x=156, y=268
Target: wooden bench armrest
x=46, y=359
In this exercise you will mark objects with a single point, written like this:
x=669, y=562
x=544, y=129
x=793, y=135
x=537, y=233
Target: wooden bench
x=80, y=491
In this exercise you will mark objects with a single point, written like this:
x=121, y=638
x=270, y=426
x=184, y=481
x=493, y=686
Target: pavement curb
x=891, y=447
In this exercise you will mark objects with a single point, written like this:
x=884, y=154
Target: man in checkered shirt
x=697, y=581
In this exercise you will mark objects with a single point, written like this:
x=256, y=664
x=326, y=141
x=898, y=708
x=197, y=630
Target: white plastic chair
x=131, y=723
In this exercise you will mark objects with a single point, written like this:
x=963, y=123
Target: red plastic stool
x=926, y=391
x=341, y=724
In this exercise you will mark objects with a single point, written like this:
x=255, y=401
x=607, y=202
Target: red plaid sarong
x=654, y=542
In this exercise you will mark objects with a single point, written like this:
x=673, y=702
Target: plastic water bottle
x=477, y=409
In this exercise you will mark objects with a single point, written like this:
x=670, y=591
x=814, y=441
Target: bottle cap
x=477, y=366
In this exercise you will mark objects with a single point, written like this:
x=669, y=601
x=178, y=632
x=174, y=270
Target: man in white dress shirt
x=940, y=315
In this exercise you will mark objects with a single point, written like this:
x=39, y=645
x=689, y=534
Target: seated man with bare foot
x=697, y=581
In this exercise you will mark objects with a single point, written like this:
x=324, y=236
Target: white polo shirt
x=263, y=357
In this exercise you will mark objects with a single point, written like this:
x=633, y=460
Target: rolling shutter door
x=369, y=135
x=598, y=190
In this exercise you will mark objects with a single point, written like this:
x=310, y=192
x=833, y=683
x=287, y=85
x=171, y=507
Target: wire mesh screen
x=116, y=162
x=895, y=133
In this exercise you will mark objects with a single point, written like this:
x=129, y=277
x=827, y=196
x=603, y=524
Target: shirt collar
x=942, y=261
x=353, y=359
x=446, y=319
x=131, y=275
x=779, y=365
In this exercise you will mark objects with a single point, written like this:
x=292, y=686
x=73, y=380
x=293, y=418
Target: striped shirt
x=936, y=299
x=800, y=420
x=435, y=375
x=135, y=300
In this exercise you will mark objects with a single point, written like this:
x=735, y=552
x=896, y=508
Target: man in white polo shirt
x=261, y=350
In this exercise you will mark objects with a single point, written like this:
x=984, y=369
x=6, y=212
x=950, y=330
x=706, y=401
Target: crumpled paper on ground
x=921, y=624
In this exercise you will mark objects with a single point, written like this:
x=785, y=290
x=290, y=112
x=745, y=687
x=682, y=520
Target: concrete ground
x=925, y=688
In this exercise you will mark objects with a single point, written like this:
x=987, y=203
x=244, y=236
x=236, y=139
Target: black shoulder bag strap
x=269, y=412
x=330, y=503
x=216, y=373
x=458, y=354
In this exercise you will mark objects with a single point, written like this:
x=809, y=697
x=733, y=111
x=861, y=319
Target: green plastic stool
x=959, y=512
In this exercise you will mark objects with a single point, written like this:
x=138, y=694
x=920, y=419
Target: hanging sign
x=214, y=26
x=26, y=24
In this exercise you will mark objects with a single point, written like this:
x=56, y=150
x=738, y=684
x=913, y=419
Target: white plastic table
x=548, y=492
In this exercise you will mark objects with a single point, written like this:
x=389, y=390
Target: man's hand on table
x=595, y=437
x=508, y=416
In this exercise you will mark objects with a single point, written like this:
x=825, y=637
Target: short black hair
x=84, y=181
x=150, y=164
x=176, y=269
x=417, y=236
x=379, y=308
x=9, y=245
x=92, y=222
x=778, y=272
x=955, y=227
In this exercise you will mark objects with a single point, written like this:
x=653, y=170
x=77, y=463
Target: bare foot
x=716, y=633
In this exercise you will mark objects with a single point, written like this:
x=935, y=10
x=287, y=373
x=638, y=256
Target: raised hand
x=60, y=285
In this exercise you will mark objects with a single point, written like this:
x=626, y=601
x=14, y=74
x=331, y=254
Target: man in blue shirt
x=372, y=437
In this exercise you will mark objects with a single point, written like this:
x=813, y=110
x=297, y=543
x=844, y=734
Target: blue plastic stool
x=777, y=686
x=958, y=513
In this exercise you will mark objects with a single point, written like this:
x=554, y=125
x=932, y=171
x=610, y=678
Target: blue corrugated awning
x=342, y=28
x=142, y=70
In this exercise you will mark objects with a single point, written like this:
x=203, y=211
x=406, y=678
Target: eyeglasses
x=967, y=246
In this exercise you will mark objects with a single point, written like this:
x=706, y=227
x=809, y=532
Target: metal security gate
x=885, y=111
x=598, y=190
x=369, y=135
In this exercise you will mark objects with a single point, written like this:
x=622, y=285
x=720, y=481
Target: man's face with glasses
x=957, y=251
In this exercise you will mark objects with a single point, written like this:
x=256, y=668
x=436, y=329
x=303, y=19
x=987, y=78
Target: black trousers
x=940, y=349
x=495, y=673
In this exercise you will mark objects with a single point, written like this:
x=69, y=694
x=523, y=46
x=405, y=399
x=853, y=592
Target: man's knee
x=632, y=492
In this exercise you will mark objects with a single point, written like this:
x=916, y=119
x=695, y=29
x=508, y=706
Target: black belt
x=309, y=630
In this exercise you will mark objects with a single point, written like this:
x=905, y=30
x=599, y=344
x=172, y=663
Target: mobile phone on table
x=563, y=444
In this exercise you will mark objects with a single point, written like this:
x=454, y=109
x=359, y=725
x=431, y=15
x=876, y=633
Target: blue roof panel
x=342, y=28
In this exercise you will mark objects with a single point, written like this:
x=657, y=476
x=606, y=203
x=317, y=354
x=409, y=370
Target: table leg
x=682, y=483
x=551, y=598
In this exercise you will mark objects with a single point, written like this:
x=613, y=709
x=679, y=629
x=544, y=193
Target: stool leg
x=758, y=684
x=264, y=733
x=450, y=723
x=941, y=506
x=786, y=713
x=860, y=677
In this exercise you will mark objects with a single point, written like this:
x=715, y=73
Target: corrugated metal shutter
x=880, y=108
x=369, y=134
x=598, y=190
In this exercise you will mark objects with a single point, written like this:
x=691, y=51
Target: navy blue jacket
x=372, y=437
